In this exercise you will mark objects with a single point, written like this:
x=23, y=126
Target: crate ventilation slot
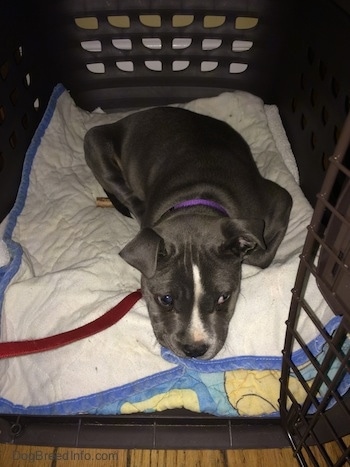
x=126, y=65
x=2, y=114
x=27, y=80
x=179, y=43
x=211, y=21
x=4, y=70
x=122, y=44
x=154, y=65
x=122, y=21
x=211, y=44
x=153, y=43
x=96, y=67
x=246, y=22
x=89, y=22
x=36, y=104
x=92, y=46
x=151, y=21
x=241, y=46
x=238, y=67
x=180, y=65
x=178, y=22
x=208, y=66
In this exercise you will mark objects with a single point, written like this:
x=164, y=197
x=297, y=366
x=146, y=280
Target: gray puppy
x=203, y=208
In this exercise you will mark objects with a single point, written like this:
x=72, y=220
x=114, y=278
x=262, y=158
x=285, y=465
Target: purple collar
x=200, y=202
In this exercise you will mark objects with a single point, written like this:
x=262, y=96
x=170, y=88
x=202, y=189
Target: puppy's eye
x=223, y=298
x=165, y=301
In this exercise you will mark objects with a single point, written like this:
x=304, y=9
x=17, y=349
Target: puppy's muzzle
x=195, y=350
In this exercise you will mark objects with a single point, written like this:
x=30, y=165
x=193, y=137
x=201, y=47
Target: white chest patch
x=196, y=328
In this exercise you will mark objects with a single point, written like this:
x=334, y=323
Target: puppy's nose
x=195, y=350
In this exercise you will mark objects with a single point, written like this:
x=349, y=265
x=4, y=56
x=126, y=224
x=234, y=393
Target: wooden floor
x=29, y=456
x=20, y=456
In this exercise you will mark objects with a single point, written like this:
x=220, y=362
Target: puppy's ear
x=243, y=236
x=142, y=252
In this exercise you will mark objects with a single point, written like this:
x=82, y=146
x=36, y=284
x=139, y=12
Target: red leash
x=18, y=348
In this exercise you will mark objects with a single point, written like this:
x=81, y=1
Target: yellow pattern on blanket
x=179, y=398
x=254, y=392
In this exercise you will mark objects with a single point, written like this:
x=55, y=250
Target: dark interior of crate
x=291, y=53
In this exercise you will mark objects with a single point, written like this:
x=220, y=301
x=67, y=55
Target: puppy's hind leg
x=118, y=205
x=125, y=202
x=279, y=204
x=100, y=154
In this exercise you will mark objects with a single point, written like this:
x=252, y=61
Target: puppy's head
x=191, y=274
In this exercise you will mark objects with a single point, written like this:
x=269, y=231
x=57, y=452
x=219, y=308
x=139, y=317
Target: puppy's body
x=203, y=208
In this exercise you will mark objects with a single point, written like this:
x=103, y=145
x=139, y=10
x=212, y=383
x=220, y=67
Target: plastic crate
x=129, y=53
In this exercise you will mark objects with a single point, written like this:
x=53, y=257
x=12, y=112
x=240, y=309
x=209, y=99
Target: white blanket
x=65, y=271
